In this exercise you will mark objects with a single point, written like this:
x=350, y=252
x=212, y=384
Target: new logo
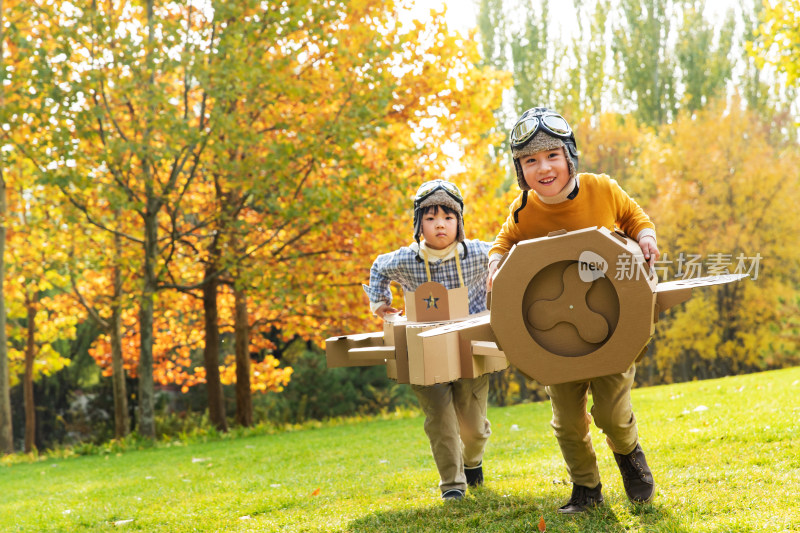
x=591, y=266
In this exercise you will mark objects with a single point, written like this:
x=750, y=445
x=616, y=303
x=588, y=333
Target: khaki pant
x=611, y=411
x=456, y=425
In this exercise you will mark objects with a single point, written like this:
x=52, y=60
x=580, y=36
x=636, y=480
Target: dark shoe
x=636, y=475
x=582, y=499
x=474, y=475
x=453, y=494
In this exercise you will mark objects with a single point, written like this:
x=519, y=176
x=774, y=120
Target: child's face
x=439, y=228
x=546, y=172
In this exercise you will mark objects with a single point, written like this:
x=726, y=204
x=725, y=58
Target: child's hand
x=490, y=278
x=649, y=249
x=386, y=309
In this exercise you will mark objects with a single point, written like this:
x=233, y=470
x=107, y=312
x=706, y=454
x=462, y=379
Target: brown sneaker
x=636, y=475
x=582, y=499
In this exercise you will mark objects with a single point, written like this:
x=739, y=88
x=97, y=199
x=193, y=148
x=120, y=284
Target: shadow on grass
x=484, y=510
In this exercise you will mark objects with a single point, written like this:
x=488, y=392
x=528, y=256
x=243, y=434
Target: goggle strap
x=458, y=267
x=419, y=199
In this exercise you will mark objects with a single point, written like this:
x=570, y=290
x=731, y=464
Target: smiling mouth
x=547, y=181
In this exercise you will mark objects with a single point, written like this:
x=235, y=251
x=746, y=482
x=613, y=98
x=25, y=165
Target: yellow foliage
x=265, y=376
x=727, y=192
x=778, y=38
x=35, y=257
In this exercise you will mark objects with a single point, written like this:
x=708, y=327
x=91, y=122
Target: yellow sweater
x=600, y=202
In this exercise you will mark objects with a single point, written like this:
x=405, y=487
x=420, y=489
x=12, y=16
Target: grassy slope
x=725, y=455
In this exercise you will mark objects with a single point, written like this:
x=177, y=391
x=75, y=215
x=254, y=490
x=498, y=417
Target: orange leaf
x=542, y=525
x=316, y=492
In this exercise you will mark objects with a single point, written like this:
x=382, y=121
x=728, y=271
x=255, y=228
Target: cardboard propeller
x=560, y=313
x=570, y=307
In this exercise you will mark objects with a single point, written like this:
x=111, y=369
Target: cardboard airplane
x=400, y=347
x=559, y=313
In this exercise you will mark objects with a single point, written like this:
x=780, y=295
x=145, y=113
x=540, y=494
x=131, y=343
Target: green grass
x=725, y=455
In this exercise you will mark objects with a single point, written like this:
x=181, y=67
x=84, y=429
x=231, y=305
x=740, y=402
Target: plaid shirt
x=407, y=268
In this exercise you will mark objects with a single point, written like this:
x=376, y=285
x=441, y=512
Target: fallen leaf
x=316, y=492
x=542, y=525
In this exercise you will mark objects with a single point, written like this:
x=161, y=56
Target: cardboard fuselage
x=409, y=356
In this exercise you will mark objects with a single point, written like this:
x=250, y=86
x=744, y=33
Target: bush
x=317, y=392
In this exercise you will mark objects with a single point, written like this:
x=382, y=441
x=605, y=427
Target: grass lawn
x=725, y=455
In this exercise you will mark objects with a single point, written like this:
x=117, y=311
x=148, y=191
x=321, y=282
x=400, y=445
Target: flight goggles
x=529, y=124
x=429, y=187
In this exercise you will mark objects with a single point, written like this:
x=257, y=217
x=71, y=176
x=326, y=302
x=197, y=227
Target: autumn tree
x=754, y=85
x=704, y=56
x=23, y=54
x=309, y=146
x=520, y=37
x=724, y=205
x=6, y=433
x=590, y=77
x=537, y=59
x=34, y=62
x=647, y=65
x=492, y=23
x=178, y=339
x=97, y=276
x=39, y=314
x=612, y=144
x=262, y=158
x=777, y=41
x=129, y=93
x=303, y=150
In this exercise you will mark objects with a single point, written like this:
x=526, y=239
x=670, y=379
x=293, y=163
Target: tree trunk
x=147, y=425
x=27, y=382
x=121, y=420
x=6, y=433
x=216, y=402
x=244, y=397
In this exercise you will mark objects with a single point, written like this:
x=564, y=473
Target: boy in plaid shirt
x=455, y=413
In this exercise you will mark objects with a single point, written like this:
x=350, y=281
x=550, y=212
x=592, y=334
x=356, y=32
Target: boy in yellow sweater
x=554, y=196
